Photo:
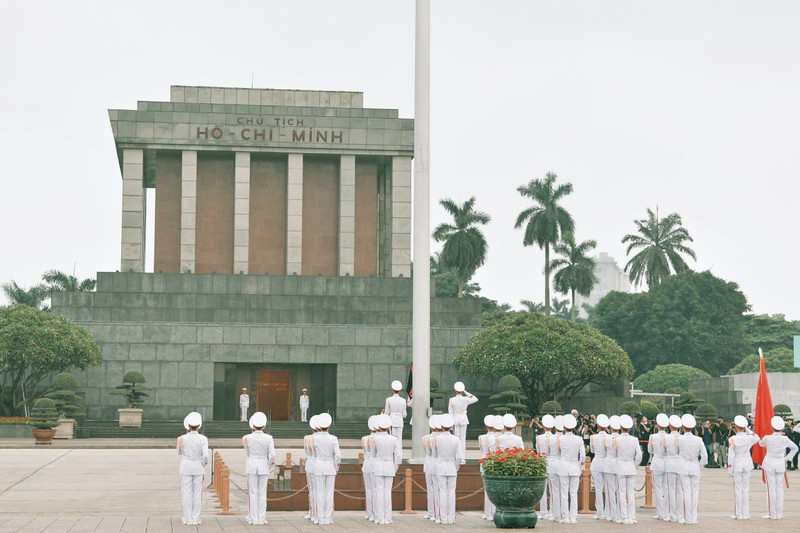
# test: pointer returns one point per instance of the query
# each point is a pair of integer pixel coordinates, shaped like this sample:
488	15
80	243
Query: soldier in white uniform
573	457
694	456
396	409
507	439
368	447
457	408
554	469
449	456
610	471
304	403
308	447
629	456
672	468
542	444
326	465
244	404
193	449
429	468
657	446
597	445
260	451
388	457
740	464
487	443
774	466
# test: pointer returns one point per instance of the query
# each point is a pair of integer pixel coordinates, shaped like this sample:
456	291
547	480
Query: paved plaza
82	487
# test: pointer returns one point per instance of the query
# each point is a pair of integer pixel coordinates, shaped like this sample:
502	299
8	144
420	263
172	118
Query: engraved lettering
322	136
335	135
259	134
203	133
245	134
300	137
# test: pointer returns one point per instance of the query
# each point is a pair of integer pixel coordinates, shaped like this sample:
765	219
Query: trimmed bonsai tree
434	391
552	408
782	410
705	411
628	408
510	398
44	414
62	391
649	409
688	402
133	388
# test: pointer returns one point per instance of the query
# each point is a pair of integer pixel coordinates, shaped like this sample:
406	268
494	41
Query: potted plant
135	391
68	404
510	400
44	419
515	481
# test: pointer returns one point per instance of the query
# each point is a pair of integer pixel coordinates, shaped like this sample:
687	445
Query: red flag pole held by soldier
764	412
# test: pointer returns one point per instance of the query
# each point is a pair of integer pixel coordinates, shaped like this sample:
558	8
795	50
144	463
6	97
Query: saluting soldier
487	443
308	447
368	447
573	457
396	409
740	464
610	471
457	408
597	445
388	457
657	446
542	443
774	466
429	468
629	456
193	449
260	450
449	457
326	465
694	454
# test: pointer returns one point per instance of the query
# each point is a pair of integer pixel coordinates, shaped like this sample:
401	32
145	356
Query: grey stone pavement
119	486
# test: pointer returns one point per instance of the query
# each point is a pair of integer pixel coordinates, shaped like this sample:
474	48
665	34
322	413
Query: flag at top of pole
764	410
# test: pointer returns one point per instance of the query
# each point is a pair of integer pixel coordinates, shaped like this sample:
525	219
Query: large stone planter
130	418
43	436
65	429
515	498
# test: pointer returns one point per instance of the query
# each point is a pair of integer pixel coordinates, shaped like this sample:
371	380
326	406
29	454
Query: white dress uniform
740	464
774	466
507	439
388	457
672	467
327	458
449	455
610	473
396	409
658	451
457	408
554	471
542	444
244	405
694	456
368	447
260	450
429	468
487	443
308	447
573	457
629	456
304	402
597	445
193	449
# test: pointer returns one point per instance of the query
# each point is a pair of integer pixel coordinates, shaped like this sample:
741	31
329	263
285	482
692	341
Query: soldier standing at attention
304	402
629	456
244	404
193	449
774	466
672	467
573	457
457	408
429	468
368	446
487	443
542	442
260	451
740	464
507	440
326	465
694	453
597	445
554	469
449	456
657	446
395	408
388	457
308	446
610	471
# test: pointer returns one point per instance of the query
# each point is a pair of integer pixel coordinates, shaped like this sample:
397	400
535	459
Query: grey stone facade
736	395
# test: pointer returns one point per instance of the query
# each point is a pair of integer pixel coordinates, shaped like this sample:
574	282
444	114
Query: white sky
691	106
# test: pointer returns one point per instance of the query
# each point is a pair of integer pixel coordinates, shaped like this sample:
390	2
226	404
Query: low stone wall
15	431
736	395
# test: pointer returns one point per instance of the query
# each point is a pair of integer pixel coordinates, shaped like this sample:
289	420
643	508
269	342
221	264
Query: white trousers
191	497
690	488
303	414
311	483
627	497
543	503
244	409
437	503
369	495
599	490
430	494
612	496
674	497
397	432
447	498
741	494
324	496
488	506
775	482
555	496
660	493
383	499
460	431
257	498
569	497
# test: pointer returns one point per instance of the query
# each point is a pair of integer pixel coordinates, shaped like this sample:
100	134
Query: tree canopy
769	332
690	318
35	343
777	360
666	378
551	357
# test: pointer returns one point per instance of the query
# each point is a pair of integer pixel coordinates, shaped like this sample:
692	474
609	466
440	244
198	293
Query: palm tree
33	297
61	282
660	242
574	269
561	308
546	220
531	306
465	246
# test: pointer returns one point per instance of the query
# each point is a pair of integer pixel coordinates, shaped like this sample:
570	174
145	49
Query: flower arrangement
8	420
515	462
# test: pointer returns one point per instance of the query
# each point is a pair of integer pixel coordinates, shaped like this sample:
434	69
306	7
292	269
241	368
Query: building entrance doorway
272	393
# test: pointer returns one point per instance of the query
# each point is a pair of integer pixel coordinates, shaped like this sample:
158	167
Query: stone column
241	214
188	209
401	216
134	200
294	215
347	215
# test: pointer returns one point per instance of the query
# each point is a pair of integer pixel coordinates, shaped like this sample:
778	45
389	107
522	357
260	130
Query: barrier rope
292	495
470	495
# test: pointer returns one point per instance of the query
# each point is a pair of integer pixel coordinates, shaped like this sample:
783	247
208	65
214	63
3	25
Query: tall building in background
610	277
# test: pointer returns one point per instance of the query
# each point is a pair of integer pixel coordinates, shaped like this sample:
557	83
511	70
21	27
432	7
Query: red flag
764	411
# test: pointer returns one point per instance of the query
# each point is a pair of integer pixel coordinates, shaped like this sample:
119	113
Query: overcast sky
688	106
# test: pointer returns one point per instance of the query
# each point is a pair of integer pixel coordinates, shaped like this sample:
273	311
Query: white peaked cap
433	422
497	423
662	420
675	421
548	421
446	420
626	422
186	422
777	423
603	421
688	421
396	385
509	420
459	386
487	421
386	421
258	420
371	423
324	421
613	421
312	422
559	423
740	421
194	419
569	421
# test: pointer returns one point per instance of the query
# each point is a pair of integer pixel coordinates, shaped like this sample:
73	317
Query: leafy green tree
574	270
531	306
560	308
492	313
545	221
551	357
59	281
705	411
33	344
629	408
690	318
465	246
649	409
133	388
777	360
688	402
769	332
552	407
660	243
669	377
33	297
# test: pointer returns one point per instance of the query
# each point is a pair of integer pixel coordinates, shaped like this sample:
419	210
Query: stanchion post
586	484
288	462
225	491
409	493
648	489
